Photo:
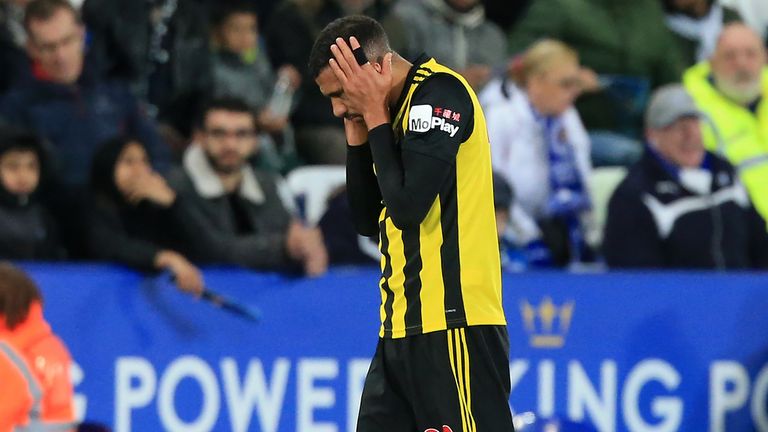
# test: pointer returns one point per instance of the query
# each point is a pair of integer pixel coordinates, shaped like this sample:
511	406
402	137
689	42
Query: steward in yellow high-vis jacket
732	89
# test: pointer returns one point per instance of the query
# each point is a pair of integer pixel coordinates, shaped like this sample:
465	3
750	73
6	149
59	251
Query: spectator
136	218
162	48
456	33
68	105
241	68
27	230
696	25
503	197
290	33
37	389
246	212
732	89
681	206
624	47
540	147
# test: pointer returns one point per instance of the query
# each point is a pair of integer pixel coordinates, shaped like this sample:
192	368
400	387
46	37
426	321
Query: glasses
238	134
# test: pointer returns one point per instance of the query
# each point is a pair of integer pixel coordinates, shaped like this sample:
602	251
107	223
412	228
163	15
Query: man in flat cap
681	206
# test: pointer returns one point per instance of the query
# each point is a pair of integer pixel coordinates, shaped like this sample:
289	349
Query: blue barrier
640	352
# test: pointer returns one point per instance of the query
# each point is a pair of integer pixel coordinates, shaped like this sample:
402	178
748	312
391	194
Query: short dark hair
226	103
42	10
225	9
17	293
367	30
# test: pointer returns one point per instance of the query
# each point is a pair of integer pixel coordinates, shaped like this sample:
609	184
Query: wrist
377	116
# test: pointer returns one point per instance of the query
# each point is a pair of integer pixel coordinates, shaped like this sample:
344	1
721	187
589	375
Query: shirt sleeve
411	174
108	240
363	190
440	119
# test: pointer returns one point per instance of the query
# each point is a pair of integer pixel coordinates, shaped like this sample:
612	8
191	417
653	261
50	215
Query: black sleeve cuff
381	134
364	147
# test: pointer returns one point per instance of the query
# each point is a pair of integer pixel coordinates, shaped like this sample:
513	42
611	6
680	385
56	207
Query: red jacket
34	372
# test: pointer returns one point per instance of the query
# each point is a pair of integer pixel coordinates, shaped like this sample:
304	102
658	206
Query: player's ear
377	67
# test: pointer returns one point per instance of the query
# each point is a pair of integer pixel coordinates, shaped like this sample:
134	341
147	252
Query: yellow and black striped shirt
442	270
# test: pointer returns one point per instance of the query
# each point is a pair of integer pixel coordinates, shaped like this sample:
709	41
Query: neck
230	181
536	104
400	69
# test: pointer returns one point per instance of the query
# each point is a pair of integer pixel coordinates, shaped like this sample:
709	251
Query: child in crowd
27	230
242	69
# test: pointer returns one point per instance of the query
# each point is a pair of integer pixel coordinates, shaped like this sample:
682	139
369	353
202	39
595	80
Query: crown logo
547	324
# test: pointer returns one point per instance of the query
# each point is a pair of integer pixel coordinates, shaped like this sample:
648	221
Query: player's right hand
356	131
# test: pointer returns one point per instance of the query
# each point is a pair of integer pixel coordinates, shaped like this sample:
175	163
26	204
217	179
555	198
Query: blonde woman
540	146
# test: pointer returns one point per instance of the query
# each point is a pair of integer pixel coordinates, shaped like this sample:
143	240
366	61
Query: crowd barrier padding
619	351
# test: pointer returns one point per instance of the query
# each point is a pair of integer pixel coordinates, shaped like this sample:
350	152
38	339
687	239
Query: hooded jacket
132	234
27	229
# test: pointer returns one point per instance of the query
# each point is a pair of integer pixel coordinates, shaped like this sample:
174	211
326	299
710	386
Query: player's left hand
366	87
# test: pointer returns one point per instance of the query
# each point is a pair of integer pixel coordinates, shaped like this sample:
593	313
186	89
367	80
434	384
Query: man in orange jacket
34	363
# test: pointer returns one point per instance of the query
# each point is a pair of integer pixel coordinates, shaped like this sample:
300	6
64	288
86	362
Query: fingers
340	75
190	280
349	56
353	43
357	51
341	60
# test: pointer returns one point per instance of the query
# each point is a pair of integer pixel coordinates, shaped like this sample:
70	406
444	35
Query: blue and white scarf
568	196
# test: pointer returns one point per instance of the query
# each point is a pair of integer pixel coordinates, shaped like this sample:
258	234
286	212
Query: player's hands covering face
366	87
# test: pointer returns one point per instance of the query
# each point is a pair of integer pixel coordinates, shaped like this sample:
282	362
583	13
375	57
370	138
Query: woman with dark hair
137	218
34	363
27	230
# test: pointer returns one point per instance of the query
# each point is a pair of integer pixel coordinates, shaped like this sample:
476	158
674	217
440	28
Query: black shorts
447	381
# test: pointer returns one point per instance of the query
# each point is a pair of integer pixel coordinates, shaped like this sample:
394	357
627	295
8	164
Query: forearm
363	190
135	253
408	193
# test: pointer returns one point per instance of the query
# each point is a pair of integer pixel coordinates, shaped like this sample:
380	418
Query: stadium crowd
168	134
